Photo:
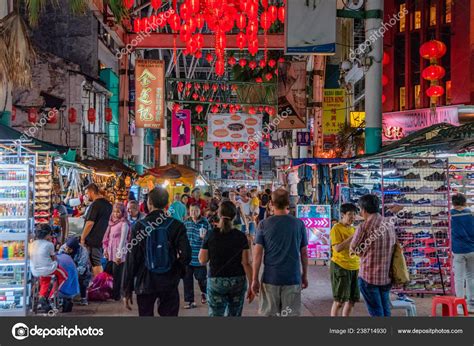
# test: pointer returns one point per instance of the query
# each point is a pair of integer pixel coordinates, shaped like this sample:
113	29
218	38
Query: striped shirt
192	230
374	242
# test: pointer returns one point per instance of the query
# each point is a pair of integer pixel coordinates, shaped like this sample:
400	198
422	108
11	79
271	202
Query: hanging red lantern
259	79
271	63
384	80
215	87
156	4
199	109
271	111
252	29
243	62
195	96
53	116
253	46
201	144
174	22
200	21
184	12
265	4
385	59
193	5
281	60
13	113
435	91
281	14
265	21
268	76
273	12
384	98
433	72
180	86
215	109
252	110
228	145
209	57
216	144
252	65
242	21
136	25
108	114
128	4
241	40
433	49
252	10
262	63
91	115
72	115
232	61
176	107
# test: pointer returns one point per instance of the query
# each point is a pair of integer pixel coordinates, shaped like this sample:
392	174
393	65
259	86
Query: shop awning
172	172
9	134
107	166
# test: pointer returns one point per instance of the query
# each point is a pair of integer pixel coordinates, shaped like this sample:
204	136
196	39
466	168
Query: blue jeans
377	298
226	295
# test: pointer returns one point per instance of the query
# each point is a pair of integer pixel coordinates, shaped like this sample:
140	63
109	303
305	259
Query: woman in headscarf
115	245
80	256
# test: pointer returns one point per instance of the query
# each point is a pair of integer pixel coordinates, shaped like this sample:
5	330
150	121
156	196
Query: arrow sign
315	222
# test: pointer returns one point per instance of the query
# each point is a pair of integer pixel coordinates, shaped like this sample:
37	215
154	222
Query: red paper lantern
271	63
252	65
252	110
241	40
215	87
209	57
128	4
136	25
199	109
435	91
265	3
243	62
273	12
232	61
174	22
265	21
253	46
108	114
385	59
281	59
53	116
384	80
242	21
268	76
216	144
13	113
200	21
433	49
72	115
262	63
91	115
281	14
193	5
201	144
259	79
252	10
195	96
156	4
433	72
384	98
32	115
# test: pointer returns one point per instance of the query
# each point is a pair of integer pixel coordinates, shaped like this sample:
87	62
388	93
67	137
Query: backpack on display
159	256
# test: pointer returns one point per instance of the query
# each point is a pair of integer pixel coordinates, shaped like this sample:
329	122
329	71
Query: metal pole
373	81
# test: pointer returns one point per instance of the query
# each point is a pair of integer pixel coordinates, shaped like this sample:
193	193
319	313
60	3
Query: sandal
190	305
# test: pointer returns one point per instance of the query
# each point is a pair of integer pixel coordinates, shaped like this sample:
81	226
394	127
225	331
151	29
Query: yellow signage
334	111
357	119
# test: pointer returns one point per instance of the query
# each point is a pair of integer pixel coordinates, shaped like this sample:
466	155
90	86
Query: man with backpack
157	258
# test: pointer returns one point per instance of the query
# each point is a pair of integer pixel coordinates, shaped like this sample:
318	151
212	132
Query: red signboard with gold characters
150	94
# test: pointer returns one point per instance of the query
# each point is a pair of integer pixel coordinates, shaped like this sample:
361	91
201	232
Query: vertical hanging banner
292	95
334	116
149	94
317	220
181	132
310	27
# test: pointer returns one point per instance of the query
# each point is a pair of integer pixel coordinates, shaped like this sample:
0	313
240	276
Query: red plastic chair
449	305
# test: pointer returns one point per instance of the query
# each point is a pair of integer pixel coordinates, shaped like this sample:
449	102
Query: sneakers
358	175
442	188
421	164
407	189
422	201
455	185
188	306
393	176
375	175
423	214
439	203
438	164
389	164
412	176
43	305
83	302
425	189
441	224
392	187
404	164
436	176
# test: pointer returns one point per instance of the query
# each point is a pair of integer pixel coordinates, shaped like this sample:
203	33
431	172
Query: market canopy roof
9	134
173	172
107	166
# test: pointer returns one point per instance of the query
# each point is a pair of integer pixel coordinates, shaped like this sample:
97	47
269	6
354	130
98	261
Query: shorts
280	300
252	228
96	254
345	287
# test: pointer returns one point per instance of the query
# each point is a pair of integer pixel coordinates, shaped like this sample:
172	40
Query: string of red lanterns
432	51
385	79
221	17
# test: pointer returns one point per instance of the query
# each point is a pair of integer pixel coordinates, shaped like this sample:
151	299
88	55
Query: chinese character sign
334	111
181	132
149	94
317	220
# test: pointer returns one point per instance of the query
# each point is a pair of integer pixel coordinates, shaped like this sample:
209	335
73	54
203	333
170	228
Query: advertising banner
397	125
334	111
266	166
209	164
317	219
278	144
150	94
181	132
233	127
303	139
310	27
239	154
292	95
239	170
357	118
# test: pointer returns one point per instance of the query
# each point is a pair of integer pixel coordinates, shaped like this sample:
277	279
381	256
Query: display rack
422	186
43	188
16	222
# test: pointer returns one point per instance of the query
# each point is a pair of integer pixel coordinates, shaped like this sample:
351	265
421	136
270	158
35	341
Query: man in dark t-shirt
281	243
97	221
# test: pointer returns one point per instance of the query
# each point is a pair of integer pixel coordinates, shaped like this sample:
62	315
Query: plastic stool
410	308
450	305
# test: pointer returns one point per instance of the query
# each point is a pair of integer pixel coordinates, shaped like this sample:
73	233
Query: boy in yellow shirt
344	266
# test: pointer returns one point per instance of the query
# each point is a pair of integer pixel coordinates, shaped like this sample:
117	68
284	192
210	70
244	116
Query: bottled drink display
16	209
13	175
14	193
12	250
